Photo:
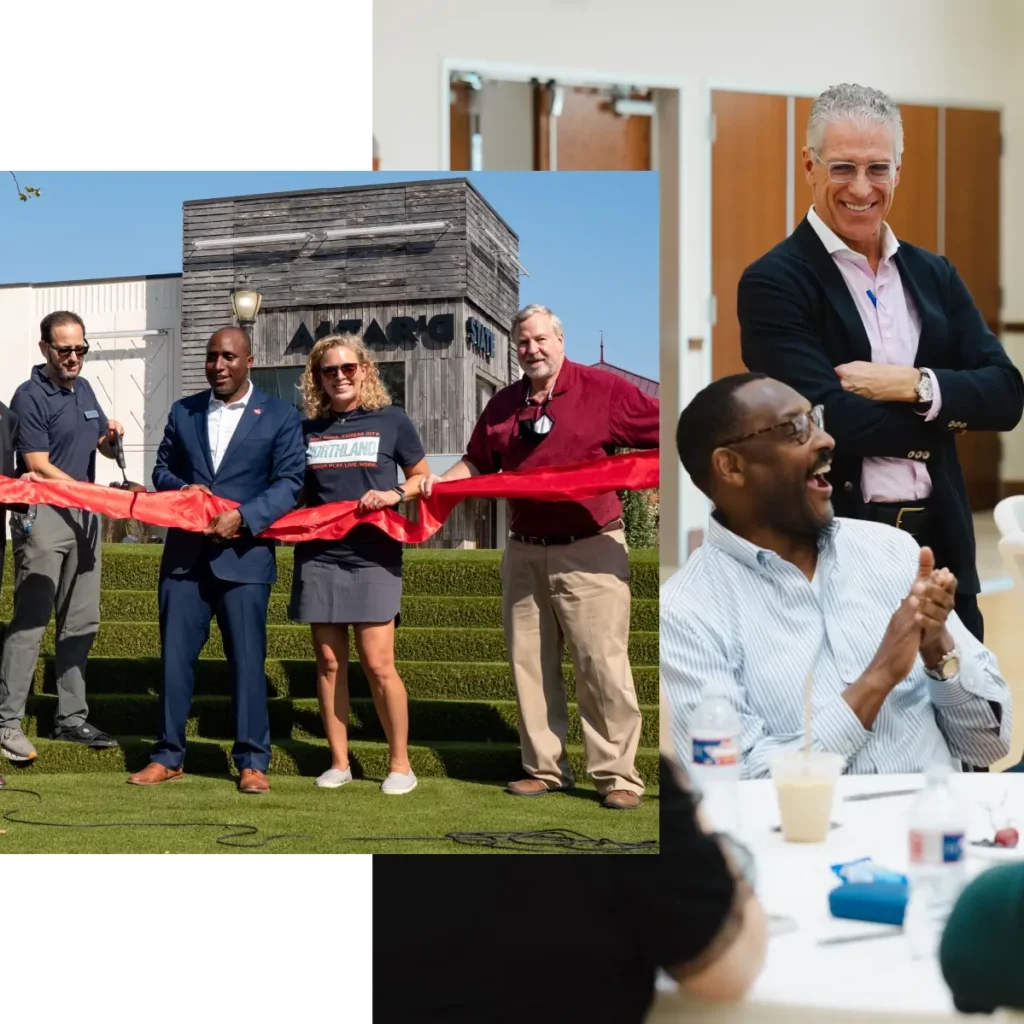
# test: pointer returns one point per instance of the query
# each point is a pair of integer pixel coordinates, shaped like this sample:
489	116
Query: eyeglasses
800	427
349	369
63	351
843	172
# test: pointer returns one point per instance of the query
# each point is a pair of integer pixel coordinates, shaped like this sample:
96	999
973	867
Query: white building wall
134	328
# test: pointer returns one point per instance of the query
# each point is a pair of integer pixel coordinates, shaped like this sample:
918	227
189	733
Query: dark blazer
262	469
6	469
798	322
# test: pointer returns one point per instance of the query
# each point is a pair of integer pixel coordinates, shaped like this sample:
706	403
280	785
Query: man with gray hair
884	335
565	570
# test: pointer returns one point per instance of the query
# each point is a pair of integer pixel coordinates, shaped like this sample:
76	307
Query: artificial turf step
481	762
142	640
427	612
426	680
426	572
429	720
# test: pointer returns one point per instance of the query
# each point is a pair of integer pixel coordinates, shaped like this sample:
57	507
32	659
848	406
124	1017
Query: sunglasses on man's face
800	427
63	351
332	370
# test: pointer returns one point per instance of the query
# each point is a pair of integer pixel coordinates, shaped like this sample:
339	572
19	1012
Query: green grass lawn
333	818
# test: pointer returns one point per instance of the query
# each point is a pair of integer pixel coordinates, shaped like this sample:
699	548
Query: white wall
917	50
136	377
506	121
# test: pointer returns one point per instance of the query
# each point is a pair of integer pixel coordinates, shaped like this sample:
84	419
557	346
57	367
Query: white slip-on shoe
333	778
397	784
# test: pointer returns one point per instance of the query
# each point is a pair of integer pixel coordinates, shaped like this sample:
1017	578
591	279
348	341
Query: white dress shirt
223	420
745	617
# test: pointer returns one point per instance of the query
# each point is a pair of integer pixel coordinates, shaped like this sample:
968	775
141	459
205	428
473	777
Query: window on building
392	376
279	381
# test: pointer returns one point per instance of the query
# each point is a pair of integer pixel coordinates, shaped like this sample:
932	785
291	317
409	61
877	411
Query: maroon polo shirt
594	413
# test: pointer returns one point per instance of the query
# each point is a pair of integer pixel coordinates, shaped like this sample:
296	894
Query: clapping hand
933	595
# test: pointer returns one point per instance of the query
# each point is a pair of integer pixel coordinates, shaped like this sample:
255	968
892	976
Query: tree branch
23	194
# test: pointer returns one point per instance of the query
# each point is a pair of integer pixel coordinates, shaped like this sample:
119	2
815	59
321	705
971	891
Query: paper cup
806	787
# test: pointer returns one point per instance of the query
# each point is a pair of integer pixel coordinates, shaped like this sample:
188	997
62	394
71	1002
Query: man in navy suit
884	335
235	442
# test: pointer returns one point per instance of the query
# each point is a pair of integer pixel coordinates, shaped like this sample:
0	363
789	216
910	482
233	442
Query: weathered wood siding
466	270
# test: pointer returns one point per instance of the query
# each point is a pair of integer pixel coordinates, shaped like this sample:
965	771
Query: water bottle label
718	752
936	847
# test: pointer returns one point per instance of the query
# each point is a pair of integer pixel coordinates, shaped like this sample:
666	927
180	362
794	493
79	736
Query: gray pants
56	570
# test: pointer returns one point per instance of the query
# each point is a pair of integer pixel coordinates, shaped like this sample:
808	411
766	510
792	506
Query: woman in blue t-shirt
356	441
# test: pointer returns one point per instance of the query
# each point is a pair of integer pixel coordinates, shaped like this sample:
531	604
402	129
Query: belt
615	524
913	517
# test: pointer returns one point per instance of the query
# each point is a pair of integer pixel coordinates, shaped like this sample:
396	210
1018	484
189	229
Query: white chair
1011	550
1009	515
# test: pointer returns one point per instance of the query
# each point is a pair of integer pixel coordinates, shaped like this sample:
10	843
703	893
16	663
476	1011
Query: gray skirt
327	592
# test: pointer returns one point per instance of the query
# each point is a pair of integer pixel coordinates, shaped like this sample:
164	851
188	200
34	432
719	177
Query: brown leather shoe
153	774
621	800
533	787
253	781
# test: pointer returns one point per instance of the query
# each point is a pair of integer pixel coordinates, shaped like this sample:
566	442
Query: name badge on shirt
91	414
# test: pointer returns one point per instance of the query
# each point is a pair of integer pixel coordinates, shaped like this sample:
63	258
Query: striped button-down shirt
744	616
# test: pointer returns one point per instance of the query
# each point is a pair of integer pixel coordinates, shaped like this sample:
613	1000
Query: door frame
707	88
673	301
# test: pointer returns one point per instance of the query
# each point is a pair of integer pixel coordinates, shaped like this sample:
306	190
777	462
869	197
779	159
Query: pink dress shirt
893	327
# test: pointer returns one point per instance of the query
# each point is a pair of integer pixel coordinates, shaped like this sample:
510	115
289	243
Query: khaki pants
576	594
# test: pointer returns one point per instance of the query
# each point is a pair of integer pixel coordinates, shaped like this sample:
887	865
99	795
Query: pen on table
838	939
884	792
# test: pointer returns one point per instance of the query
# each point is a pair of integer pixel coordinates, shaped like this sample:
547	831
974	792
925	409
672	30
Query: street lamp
246	304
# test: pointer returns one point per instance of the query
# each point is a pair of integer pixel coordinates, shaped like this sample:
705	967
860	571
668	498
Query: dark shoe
253	781
153	774
621	800
86	734
534	787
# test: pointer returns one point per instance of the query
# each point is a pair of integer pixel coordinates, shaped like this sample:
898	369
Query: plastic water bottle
936	875
716	758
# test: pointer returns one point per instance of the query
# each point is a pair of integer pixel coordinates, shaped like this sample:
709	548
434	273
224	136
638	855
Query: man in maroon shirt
565	570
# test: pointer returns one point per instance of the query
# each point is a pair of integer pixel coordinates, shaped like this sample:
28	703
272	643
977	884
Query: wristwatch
947	667
401	491
923	387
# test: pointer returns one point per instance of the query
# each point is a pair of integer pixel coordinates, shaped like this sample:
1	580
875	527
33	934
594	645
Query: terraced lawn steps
451	654
426	572
142	640
487	721
333	818
480	762
464	680
430	612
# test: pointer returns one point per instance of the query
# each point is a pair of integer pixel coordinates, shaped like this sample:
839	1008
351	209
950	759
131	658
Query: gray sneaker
15	745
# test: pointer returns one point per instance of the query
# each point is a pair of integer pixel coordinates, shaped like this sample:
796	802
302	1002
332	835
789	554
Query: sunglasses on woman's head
349	369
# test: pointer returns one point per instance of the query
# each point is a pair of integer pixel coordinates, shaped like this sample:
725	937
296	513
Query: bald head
228	361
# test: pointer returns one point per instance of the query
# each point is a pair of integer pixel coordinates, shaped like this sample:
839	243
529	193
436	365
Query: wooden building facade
426	272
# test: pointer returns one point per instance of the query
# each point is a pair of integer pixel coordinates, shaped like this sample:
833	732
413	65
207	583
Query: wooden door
460	127
914	216
972	245
588	134
748	205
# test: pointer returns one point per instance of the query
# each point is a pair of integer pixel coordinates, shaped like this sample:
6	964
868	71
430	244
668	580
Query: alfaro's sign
405	331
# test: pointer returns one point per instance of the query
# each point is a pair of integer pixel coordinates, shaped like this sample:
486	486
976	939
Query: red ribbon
193	510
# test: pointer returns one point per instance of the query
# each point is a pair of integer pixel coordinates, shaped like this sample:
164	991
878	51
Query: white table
876	979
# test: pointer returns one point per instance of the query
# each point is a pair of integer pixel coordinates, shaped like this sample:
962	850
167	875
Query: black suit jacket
798	322
6	469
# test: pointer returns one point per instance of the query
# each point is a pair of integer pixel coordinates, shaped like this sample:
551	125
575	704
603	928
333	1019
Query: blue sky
588	239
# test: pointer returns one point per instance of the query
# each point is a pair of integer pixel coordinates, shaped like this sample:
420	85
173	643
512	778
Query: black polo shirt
67	423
